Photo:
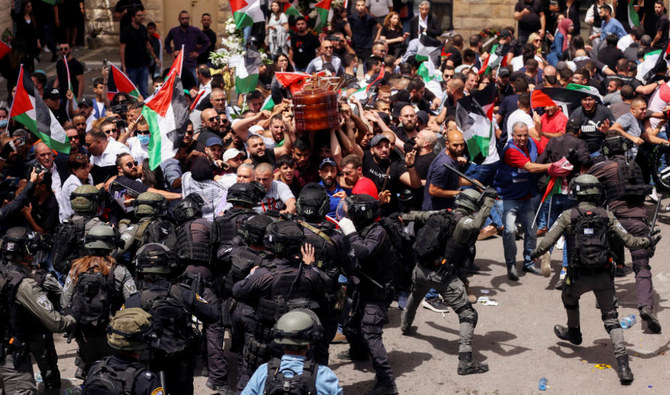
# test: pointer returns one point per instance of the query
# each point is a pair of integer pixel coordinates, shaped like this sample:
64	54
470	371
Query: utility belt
255	352
592	271
441	270
19	350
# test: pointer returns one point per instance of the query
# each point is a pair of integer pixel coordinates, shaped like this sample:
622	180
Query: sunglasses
63	49
212	119
131	164
143	132
110	131
189	132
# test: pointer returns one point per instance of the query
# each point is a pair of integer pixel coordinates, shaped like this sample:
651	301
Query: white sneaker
560	243
653	196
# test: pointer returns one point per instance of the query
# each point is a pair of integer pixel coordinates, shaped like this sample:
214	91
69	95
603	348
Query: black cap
378	138
504	33
328	162
53	94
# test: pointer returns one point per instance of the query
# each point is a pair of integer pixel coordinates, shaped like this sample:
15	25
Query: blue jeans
543	216
560	203
140	77
486	174
524	211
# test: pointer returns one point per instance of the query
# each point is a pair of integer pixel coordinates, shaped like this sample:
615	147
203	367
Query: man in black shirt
211	35
662	25
595	120
610	54
76	73
303	45
424	147
134	50
531	19
363	27
122	11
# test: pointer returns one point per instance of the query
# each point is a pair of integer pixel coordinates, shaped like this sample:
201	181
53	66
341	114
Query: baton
655	217
371	280
474	182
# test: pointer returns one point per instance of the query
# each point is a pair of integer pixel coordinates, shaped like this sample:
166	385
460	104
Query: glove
490	192
653	240
347	226
534	255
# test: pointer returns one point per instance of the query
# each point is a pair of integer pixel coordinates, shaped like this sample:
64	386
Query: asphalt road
515	338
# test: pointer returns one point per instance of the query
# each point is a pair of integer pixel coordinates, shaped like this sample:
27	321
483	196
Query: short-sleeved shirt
662	25
362	29
76	69
590	124
304	49
122	5
555	124
379	8
516	159
136	46
519	116
530	22
276	197
632	126
365	186
443	178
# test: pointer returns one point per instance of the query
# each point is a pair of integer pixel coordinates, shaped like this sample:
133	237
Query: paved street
515	338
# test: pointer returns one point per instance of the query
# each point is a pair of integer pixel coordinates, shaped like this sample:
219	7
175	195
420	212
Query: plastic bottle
38	377
542	384
628	321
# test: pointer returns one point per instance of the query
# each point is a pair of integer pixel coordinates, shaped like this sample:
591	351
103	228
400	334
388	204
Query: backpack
106	380
299	384
433	236
68	243
93	299
631	180
194	241
159	230
171	320
591	238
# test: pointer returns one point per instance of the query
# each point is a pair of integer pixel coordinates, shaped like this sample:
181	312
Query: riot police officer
95	287
282	284
69	236
373	250
243	197
625	192
588	227
441	272
171	305
123	373
294	332
153	225
29	319
333	254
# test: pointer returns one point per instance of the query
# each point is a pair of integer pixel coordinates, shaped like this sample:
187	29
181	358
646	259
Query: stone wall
472	16
5	18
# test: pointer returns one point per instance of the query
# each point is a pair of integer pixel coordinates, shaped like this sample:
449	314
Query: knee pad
610	320
637	267
467	313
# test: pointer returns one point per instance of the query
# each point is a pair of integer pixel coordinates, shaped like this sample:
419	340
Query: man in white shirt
103	151
278	195
522	114
379	8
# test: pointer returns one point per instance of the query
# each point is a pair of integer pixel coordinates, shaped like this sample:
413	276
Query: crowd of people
292	240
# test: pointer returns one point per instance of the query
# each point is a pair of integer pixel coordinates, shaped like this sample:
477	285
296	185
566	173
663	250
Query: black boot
623	370
467	366
647	314
573	335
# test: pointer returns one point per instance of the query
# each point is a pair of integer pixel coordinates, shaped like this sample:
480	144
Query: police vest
589	242
242	260
630	184
226	227
23	325
193	241
170	318
287	292
513	182
325	252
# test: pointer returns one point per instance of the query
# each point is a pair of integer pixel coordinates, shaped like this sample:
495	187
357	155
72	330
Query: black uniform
334	256
365	326
272	290
144	382
172	355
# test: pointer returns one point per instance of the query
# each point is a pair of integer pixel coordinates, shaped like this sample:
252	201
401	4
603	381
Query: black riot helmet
313	202
362	209
617	145
188	208
246	194
155	258
19	242
252	230
284	238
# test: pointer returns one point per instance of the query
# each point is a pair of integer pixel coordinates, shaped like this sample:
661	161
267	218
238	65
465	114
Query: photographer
22	196
41	212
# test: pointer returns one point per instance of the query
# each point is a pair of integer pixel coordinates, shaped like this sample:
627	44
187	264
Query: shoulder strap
142	228
129	376
316	231
310	370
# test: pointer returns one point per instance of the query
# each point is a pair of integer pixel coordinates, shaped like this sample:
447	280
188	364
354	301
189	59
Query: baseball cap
213	141
327	162
422	116
504	33
84	102
503	72
378	139
53	94
231	153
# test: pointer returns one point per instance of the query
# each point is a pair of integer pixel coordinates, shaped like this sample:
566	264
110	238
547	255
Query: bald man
442	184
44	157
210	121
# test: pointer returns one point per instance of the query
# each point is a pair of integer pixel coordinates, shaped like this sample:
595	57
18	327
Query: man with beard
328	174
278	131
128	182
595	120
195	42
104	154
303	45
408	118
79	122
442	184
258	153
214	152
210	122
278	195
306	169
389	176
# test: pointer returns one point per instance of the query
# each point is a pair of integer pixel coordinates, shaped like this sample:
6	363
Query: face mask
355	70
144	138
3	123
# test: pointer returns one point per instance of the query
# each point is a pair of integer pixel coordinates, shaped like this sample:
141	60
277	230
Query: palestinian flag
4	49
29	109
474	116
246	70
178	63
633	16
424	53
431	77
291	9
268	104
294	81
117	82
653	62
246	12
495	59
570	96
167	114
322	10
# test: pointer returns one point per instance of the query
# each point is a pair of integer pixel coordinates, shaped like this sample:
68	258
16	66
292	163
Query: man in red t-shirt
519	193
552	123
352	177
